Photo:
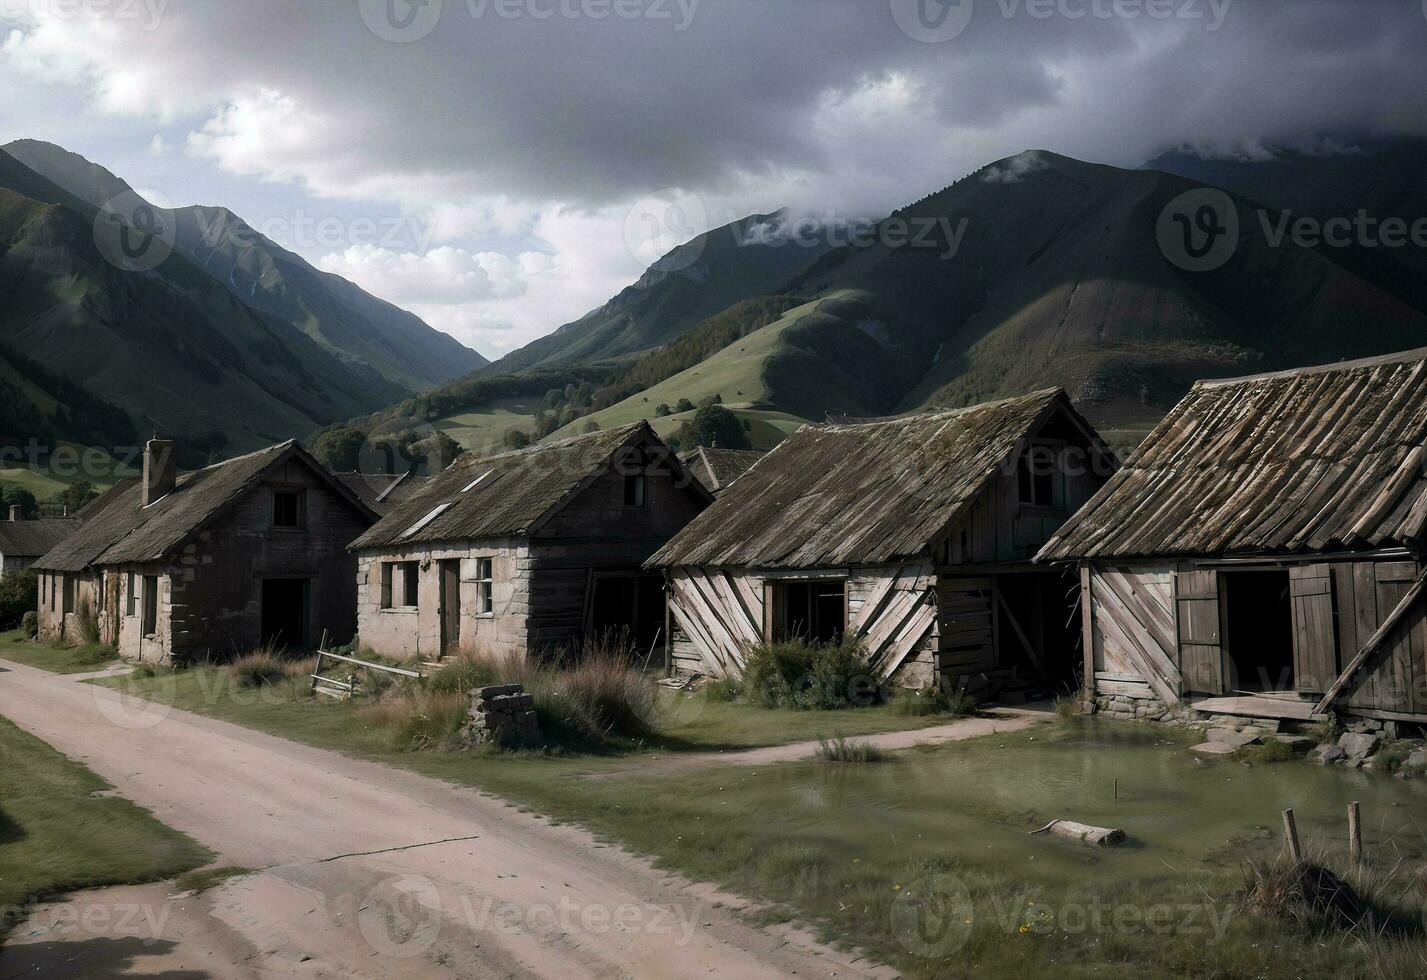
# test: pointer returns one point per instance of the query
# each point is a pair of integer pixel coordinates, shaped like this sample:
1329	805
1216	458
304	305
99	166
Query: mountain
696	280
1040	270
1378	178
173	348
366	333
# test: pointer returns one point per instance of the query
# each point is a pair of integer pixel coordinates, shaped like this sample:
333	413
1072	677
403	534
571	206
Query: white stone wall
412	634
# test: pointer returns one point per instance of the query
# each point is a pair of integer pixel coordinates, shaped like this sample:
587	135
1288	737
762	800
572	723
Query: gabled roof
717	468
1325	458
383	491
123	530
862	493
30	539
507	494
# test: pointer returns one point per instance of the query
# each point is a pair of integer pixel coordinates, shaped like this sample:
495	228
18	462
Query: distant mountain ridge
367	333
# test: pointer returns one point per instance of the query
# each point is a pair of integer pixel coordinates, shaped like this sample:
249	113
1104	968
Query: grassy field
45	483
58	835
925	859
483	430
73	660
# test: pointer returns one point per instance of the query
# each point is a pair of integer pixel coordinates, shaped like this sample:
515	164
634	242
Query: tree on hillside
12	495
76	495
662	409
683	405
338	447
712	426
516	439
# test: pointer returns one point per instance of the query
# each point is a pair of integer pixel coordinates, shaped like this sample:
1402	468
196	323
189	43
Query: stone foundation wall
503	714
1134	708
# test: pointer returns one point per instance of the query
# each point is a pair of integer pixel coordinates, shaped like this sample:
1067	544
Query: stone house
212	563
1261	553
525	551
914	534
22	542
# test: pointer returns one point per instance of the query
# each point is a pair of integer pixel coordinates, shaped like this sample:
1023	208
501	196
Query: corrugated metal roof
30	539
125	531
1325	458
861	493
500	495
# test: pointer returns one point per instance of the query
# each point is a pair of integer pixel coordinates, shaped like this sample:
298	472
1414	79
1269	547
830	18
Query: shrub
1271	751
30	624
266	666
723	689
19	598
839	749
803	675
1393	756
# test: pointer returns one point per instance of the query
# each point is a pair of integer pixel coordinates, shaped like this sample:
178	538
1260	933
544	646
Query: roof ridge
1376	360
938	414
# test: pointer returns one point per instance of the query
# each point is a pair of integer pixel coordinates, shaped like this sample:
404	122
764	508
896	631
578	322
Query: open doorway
285	612
1258	631
813	611
629	609
1039	628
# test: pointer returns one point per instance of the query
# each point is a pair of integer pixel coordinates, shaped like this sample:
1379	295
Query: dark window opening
409	571
628	610
386	583
634	490
150	623
1035	477
812	611
285	612
287	508
132	600
1258	631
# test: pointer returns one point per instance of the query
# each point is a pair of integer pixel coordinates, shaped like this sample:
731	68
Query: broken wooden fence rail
332	687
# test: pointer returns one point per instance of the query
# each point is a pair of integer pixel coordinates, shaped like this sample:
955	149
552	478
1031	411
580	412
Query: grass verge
58	835
59	660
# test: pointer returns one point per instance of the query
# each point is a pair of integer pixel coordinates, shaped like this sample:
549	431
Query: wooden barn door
1197	618
450	605
1397	675
1315	640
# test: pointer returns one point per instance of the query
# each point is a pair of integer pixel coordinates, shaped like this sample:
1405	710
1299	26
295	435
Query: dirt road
364	870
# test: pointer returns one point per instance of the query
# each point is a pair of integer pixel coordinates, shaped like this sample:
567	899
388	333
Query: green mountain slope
374	337
170	346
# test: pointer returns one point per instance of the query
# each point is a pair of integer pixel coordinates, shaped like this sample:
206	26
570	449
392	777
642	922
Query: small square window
634	490
287	508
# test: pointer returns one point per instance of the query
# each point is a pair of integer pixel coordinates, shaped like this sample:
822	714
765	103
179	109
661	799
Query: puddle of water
977	801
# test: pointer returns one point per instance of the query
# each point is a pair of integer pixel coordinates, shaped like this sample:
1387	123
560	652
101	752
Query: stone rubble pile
503	714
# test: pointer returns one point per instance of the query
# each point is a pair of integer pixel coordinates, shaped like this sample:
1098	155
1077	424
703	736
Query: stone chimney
14	513
159	472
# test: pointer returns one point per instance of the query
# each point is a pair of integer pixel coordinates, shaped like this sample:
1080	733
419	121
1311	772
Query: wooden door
1315	640
1198	626
450	605
1396	674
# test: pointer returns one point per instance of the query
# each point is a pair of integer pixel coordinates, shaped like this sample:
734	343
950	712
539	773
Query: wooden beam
1374	641
1087	630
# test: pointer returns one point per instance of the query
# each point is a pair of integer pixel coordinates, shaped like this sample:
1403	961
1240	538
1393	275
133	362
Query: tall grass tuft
268	665
419	718
840	749
86	623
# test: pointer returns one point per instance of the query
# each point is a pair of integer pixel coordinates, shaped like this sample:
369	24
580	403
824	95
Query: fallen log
1101	836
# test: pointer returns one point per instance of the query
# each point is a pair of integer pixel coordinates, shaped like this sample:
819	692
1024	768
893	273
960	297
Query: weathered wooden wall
1156	628
721	613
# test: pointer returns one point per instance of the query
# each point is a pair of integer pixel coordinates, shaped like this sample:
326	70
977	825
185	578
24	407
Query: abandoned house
914	534
717	468
525	551
212	563
22	542
1261	552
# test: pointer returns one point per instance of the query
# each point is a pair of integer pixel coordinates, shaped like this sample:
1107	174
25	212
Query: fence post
1355	834
1290	834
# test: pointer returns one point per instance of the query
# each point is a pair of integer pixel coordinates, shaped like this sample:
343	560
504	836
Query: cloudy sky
501	166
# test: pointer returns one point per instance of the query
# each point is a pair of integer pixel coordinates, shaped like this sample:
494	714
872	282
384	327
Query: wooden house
524	551
717	468
22	542
213	563
1261	553
913	533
